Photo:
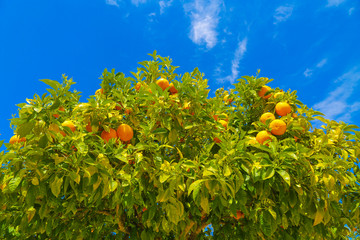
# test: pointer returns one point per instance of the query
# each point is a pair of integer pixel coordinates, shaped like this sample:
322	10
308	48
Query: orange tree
153	157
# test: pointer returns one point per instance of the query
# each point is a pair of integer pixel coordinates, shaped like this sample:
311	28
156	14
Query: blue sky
308	46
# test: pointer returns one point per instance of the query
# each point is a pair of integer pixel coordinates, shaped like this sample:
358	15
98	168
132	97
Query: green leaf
285	175
14	183
56	186
164	177
30	213
35	181
173	136
204	203
160	131
52	83
227	171
25	128
268	173
164	196
318	217
195	185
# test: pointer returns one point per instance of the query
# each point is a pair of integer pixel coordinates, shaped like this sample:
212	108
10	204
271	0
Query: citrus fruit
215	117
267	116
264	89
128	111
16	139
263	136
106	136
163	83
69	124
138	86
278	127
172	89
239	215
252	141
61	109
282	108
125	132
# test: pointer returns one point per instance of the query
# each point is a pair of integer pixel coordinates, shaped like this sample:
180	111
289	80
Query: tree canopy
152	156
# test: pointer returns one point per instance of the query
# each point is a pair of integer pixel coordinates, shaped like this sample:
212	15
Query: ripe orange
163	83
128	111
118	106
215	117
186	105
267	116
263	136
227	100
99	91
294	115
138	86
264	89
125	132
239	215
106	136
61	109
224	123
69	124
55	128
282	108
278	127
172	89
16	139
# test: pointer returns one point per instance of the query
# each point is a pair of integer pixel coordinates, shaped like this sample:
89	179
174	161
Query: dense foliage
191	161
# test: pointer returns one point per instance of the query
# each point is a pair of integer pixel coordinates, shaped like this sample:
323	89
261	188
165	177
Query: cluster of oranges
277	126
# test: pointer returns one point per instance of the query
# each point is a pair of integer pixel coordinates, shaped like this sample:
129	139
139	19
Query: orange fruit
128	111
278	127
264	89
125	132
69	124
118	106
99	91
186	105
227	100
217	140
106	136
55	128
282	108
163	83
224	123
278	94
263	136
138	86
61	109
294	115
16	139
172	89
215	117
267	116
239	215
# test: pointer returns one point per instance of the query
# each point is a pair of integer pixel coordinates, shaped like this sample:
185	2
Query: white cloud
137	2
164	4
351	10
337	106
204	16
235	63
335	3
309	71
282	13
113	2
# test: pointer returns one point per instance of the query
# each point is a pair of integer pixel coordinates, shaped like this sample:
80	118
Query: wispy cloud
309	71
204	16
164	4
351	10
113	2
282	13
235	63
138	2
337	105
334	3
